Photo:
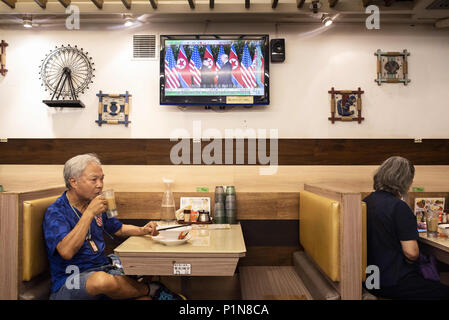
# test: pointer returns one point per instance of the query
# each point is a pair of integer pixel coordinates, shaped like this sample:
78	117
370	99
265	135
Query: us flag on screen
183	69
171	74
258	66
236	73
248	75
195	66
220	53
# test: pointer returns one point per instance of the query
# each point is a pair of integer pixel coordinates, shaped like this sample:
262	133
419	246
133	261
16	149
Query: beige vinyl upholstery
319	232
34	254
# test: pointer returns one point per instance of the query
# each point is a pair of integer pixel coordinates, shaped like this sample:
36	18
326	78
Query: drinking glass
432	218
110	199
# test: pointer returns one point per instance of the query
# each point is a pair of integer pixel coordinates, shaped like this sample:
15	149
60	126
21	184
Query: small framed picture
113	108
346	105
392	67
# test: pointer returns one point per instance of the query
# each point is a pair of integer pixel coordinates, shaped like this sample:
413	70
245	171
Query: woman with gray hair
392	236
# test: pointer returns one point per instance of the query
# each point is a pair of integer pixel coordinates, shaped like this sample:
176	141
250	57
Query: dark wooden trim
10	3
275	233
154	4
260	206
290	151
98	3
65	3
332	3
41	3
127	4
268	256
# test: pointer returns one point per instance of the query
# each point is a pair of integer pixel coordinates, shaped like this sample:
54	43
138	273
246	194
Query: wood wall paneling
8	247
250	206
290	151
143	178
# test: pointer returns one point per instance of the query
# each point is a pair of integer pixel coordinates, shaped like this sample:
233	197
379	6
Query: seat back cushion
319	222
34	253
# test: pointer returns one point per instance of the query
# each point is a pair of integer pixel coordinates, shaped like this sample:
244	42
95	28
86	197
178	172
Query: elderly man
73	229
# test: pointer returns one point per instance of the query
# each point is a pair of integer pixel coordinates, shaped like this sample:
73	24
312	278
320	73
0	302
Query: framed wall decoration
113	108
3	69
346	105
392	67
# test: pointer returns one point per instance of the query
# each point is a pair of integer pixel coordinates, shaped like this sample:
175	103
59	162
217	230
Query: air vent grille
439	5
144	46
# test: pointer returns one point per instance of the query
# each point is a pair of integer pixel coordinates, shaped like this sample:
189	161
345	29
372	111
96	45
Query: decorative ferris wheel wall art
66	72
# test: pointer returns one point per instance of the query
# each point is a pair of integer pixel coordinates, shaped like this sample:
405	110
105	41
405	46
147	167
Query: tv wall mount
66	72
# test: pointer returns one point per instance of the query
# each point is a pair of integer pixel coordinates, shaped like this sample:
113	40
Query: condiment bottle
187	215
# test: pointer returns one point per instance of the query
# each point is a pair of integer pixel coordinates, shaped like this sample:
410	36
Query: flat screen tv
209	70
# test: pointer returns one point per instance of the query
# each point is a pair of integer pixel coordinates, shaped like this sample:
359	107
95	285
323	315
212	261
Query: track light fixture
315	6
129	21
326	20
27	22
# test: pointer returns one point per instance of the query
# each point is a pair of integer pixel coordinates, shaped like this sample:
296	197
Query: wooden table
438	247
210	252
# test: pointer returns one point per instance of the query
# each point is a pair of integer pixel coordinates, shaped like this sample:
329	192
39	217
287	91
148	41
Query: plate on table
171	237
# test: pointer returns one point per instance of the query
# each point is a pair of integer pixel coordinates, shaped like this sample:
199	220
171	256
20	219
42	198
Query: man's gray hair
75	166
395	175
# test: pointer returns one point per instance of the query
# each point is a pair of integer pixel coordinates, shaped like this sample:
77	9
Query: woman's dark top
388	214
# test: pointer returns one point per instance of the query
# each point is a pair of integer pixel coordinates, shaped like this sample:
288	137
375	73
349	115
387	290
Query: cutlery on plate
173	227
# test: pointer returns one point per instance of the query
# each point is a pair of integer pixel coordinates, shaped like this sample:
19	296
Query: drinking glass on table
432	218
110	199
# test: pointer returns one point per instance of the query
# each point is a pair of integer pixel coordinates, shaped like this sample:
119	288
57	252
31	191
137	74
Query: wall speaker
277	47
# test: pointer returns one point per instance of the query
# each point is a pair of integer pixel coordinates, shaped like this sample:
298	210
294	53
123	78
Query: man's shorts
65	293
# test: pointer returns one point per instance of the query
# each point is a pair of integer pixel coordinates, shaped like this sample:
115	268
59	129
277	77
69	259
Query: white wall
340	57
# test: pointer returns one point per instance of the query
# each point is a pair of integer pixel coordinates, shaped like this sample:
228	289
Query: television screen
214	70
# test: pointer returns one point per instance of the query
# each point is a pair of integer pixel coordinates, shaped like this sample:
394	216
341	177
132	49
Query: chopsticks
174	227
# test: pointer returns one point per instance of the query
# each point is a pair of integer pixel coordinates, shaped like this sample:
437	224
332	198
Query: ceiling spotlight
315	6
27	22
326	20
129	21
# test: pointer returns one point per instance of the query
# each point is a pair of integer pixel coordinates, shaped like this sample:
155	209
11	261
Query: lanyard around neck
88	236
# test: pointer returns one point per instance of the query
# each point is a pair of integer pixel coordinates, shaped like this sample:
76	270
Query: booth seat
318	266
319	228
34	267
